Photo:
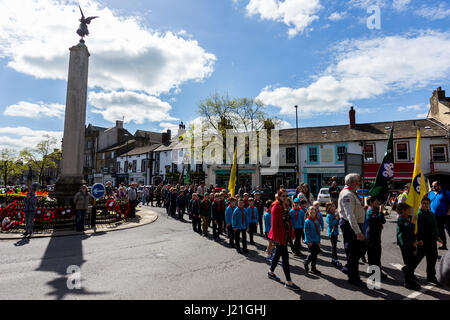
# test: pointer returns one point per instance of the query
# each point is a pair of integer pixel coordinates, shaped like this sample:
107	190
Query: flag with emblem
380	187
417	188
233	175
187	177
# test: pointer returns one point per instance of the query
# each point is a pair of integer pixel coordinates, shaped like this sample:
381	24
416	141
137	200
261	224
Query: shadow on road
62	253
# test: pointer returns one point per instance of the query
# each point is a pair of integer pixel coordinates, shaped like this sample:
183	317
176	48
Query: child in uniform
252	216
312	239
239	223
228	219
298	221
375	220
333	231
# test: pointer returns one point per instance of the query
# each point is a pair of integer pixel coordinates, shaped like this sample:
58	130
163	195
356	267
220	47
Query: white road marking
415	294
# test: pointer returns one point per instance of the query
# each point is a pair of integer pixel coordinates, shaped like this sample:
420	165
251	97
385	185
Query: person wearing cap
375	220
252	215
239	223
205	213
298	221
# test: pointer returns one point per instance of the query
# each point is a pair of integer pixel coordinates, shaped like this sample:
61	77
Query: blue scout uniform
228	220
252	218
333	232
239	221
267	222
312	236
375	220
298	221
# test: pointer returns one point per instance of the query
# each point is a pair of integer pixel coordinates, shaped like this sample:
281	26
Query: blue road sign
98	191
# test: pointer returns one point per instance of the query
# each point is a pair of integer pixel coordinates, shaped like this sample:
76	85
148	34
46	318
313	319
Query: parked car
323	196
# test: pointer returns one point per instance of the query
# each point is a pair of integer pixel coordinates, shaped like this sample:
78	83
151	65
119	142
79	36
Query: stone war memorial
56	210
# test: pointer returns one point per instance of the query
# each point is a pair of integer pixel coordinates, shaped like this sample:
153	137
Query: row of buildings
144	157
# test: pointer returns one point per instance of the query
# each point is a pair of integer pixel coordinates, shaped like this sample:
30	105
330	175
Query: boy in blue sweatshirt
252	216
333	231
298	221
239	222
228	219
312	239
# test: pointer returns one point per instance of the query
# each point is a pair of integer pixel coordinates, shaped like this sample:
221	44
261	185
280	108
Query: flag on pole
380	187
233	175
417	188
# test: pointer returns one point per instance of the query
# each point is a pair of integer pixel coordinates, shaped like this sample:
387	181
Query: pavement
144	215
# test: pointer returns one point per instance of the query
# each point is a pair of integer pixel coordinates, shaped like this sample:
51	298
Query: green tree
10	165
42	157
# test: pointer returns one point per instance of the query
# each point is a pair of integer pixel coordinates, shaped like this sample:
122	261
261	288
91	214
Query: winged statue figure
83	29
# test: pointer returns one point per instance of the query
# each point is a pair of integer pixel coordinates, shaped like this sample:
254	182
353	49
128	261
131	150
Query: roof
141	150
153	136
117	146
363	132
173	145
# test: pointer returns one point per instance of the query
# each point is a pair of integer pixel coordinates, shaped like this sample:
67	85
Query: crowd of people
298	223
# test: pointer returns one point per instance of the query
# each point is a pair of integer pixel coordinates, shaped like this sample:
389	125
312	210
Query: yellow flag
418	188
233	175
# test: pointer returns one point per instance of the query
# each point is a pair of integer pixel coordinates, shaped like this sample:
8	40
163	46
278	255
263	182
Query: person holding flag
380	187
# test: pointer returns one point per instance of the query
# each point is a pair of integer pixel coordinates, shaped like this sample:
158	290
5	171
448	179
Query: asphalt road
167	260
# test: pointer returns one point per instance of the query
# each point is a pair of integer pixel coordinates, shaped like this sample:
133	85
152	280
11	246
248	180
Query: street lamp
126	161
297	171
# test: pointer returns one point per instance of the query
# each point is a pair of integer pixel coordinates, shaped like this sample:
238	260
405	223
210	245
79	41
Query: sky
152	62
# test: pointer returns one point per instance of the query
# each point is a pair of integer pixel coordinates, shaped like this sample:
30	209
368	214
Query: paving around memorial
224	150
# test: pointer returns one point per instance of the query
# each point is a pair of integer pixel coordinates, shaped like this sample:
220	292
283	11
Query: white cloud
35	110
296	14
22	137
415	107
422	116
400	5
35	37
364	4
135	107
336	16
434	13
364	69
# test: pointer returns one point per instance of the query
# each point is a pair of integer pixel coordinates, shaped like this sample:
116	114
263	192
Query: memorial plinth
74	126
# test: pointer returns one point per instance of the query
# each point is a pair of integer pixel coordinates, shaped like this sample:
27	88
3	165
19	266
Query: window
89	144
313	154
112	155
290	155
134	165
402	151
143	165
103	156
126	167
118	168
439	153
369	152
341	150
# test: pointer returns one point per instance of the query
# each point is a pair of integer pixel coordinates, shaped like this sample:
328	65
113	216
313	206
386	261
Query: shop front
403	172
321	177
284	176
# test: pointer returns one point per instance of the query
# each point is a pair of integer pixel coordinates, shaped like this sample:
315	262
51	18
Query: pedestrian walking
334	191
427	236
375	220
81	199
298	221
440	206
228	220
406	240
252	216
352	217
239	223
30	210
332	219
133	199
312	239
281	232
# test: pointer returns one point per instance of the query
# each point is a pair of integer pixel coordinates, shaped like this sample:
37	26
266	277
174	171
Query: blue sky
152	61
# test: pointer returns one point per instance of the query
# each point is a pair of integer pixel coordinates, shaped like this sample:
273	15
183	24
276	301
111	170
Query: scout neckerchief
296	213
253	212
246	202
315	223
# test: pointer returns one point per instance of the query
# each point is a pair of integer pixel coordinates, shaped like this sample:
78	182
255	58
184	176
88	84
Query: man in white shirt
352	216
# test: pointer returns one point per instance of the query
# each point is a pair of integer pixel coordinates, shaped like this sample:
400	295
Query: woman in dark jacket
280	233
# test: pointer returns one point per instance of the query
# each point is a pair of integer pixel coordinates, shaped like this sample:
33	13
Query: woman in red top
281	232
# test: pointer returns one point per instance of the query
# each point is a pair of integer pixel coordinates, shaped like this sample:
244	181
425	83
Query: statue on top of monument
83	30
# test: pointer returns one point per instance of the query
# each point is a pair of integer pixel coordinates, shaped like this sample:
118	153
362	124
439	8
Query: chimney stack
119	124
166	136
351	115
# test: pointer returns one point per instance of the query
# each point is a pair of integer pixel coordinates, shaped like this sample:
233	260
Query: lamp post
297	166
126	161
